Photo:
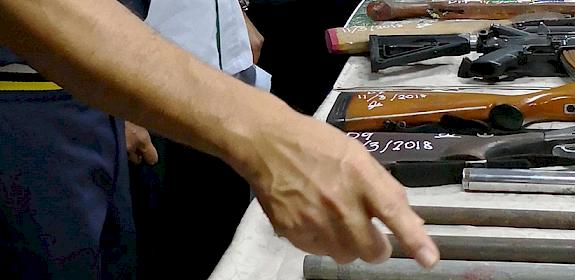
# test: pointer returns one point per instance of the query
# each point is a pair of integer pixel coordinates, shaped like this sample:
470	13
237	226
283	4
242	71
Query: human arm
256	38
318	187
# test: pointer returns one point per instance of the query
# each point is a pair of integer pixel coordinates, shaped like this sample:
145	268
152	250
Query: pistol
376	110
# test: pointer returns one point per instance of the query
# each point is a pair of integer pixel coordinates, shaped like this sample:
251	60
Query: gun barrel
518	180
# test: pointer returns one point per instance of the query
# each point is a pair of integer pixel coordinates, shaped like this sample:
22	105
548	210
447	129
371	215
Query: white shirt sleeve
235	43
192	25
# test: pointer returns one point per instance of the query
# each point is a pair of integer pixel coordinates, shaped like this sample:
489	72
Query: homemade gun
378	110
428	159
390	10
539	49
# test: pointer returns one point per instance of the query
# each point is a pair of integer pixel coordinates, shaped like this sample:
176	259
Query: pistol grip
497	64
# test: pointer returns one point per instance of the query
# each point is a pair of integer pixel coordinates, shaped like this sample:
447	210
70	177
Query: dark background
295	51
188	206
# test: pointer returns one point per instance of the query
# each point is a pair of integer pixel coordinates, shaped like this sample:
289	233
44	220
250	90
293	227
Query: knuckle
367	240
355	224
334	203
391	195
378	258
303	224
376	253
390	211
358	166
130	147
353	167
145	148
143	136
400	196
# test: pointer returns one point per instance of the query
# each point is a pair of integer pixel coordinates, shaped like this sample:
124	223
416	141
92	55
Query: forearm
109	59
319	187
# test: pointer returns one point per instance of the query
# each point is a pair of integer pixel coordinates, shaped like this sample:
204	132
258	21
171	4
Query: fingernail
426	257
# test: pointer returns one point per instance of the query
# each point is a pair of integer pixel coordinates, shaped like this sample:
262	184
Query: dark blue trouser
65	209
189	205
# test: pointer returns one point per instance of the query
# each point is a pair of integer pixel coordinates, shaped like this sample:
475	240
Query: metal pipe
484	216
324	268
518	180
513	249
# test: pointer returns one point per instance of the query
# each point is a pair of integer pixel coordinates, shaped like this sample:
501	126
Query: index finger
388	202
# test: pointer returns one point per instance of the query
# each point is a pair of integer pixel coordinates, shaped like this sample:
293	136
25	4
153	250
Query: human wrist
265	124
262	120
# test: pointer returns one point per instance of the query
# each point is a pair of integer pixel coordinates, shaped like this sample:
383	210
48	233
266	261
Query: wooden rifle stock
372	111
388	10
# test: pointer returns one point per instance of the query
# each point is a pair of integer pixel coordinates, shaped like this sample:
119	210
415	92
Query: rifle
537	49
377	110
390	10
355	39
